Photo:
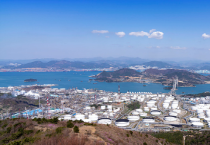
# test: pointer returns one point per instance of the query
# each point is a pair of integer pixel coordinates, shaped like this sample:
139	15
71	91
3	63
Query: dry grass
117	136
88	134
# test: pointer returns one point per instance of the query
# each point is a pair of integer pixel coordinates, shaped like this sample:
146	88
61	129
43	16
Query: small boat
81	81
144	85
69	80
94	83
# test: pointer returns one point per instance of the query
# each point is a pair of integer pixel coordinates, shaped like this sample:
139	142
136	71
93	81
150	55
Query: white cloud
205	36
120	34
142	33
153	47
100	31
152	30
153	34
177	47
156	35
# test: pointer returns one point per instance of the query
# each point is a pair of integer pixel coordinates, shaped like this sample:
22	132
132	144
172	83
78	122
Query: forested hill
119	73
181	74
185	77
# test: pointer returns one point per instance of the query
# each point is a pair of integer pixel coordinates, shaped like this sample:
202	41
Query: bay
81	80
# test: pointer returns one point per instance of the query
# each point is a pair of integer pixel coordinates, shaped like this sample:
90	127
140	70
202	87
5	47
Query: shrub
76	129
48	135
131	132
28	131
146	135
5	140
38	131
127	135
17	124
44	120
144	143
16	135
70	124
78	121
90	124
21	130
16	143
59	130
29	139
134	105
173	137
8	129
5	125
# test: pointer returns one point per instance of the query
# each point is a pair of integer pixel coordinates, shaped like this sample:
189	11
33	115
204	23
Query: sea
80	80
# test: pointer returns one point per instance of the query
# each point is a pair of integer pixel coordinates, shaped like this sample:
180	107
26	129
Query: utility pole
39	102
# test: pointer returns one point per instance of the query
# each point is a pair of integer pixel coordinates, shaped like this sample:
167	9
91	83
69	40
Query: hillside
117	76
165	77
55	132
158	64
15	104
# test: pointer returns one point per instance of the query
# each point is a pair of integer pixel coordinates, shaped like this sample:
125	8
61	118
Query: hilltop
55	132
118	75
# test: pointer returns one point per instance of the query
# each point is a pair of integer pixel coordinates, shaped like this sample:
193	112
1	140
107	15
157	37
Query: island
162	76
121	75
30	80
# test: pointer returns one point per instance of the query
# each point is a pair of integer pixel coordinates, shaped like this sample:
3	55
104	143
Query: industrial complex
153	112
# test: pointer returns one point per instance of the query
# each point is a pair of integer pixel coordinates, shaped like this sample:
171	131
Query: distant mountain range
63	65
120	62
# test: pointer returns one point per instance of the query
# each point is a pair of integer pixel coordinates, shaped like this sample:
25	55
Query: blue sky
180	29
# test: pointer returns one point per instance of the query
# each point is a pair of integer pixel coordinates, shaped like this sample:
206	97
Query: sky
148	29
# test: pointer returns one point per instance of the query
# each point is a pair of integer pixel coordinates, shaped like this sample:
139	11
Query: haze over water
81	81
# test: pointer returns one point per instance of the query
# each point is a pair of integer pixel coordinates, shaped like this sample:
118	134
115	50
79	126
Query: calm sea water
80	80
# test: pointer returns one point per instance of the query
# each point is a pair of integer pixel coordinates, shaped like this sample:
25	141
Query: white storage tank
139	110
173	114
104	121
153	108
79	116
170	118
155	112
133	118
146	109
194	120
93	117
109	107
103	107
143	114
135	113
122	122
197	124
148	120
177	110
67	117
